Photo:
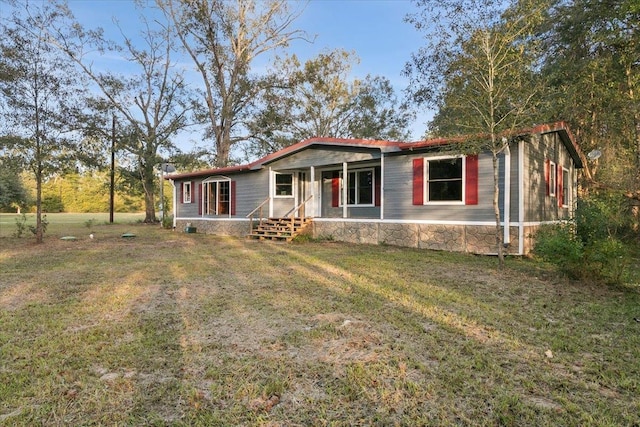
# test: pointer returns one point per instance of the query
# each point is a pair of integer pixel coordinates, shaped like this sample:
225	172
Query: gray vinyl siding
398	193
515	186
251	189
534	183
369	212
538	205
187	210
319	157
282	205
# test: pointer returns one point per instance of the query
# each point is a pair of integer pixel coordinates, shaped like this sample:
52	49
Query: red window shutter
193	185
233	197
559	181
182	192
471	178
547	168
335	191
199	198
378	184
418	181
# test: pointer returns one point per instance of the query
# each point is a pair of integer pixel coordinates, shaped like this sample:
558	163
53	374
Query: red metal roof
343	142
386	146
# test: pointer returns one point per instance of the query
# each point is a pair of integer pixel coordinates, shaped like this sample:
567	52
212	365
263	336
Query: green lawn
65	223
169	328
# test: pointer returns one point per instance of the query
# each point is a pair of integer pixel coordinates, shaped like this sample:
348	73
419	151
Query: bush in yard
559	245
167	222
600	216
21	226
596	246
607	259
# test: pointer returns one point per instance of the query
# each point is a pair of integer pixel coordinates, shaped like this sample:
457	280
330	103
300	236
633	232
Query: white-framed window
283	185
216	196
444	180
566	187
553	176
360	187
186	192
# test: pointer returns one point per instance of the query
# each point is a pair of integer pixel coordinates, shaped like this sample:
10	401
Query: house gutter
507	195
271	191
521	197
381	185
312	188
345	212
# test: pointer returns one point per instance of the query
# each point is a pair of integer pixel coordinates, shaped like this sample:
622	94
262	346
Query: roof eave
567	138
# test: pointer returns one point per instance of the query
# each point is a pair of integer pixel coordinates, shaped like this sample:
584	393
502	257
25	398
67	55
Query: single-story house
425	194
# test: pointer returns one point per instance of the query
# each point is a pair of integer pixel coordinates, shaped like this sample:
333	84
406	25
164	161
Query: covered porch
346	190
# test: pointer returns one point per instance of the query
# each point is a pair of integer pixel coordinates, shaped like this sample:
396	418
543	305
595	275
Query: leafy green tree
13	193
89	192
42	97
592	71
378	113
478	69
223	39
317	99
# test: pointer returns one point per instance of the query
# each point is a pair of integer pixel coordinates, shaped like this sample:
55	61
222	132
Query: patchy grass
63	224
185	329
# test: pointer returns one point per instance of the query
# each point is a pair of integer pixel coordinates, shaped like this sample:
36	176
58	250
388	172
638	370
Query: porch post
381	185
271	184
175	201
345	212
506	239
312	189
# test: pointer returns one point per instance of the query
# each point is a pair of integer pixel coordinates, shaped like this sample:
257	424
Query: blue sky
374	29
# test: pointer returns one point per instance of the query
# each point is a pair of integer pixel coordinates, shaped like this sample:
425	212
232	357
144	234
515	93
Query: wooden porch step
270	237
282	229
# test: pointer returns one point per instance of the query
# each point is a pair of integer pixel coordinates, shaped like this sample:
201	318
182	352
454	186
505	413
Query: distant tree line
498	65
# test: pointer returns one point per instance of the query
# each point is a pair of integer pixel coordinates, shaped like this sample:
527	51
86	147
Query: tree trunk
38	158
222	155
223	146
148	183
636	131
150	209
39	232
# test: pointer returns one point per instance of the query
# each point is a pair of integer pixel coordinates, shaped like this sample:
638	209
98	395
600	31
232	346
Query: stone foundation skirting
220	227
478	239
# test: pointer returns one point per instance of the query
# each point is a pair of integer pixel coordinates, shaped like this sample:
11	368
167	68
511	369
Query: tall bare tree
477	68
152	101
224	38
42	96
